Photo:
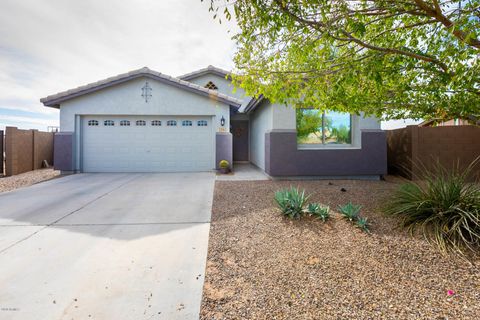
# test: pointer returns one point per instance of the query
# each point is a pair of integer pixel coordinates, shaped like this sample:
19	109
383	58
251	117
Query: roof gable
56	99
208	70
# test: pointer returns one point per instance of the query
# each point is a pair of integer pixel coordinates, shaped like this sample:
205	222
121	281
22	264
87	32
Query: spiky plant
443	206
318	211
350	211
291	201
363	224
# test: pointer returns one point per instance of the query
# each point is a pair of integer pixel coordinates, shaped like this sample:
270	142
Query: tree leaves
393	59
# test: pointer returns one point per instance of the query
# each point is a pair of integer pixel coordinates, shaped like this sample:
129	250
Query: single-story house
145	121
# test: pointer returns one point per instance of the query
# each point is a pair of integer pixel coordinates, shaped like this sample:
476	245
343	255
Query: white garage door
147	144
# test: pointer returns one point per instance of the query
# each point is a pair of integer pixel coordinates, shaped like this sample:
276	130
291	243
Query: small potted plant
224	166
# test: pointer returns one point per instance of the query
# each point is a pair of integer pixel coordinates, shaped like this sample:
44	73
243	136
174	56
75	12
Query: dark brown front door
240	140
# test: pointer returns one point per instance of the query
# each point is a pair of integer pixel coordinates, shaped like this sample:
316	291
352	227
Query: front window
325	128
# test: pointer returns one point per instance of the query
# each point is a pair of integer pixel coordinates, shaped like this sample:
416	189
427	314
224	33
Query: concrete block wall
450	145
25	150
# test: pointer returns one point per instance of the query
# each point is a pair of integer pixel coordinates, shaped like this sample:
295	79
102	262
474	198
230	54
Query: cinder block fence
25	150
412	148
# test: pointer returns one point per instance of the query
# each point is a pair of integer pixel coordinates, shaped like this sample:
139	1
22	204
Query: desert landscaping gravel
263	266
26	179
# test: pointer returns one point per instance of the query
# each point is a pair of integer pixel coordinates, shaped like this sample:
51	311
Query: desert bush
291	201
443	206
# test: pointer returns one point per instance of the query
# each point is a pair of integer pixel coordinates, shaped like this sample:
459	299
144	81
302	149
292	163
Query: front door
240	140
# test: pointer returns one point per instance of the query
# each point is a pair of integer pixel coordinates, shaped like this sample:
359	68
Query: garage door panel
147	148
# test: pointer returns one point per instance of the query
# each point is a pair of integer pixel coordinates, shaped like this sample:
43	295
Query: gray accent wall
223	148
283	158
63	151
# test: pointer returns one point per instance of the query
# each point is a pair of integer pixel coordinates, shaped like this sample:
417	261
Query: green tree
396	59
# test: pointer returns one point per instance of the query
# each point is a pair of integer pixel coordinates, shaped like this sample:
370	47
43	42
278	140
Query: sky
50	46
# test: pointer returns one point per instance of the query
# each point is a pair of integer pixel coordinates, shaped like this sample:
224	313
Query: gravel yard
263	266
26	179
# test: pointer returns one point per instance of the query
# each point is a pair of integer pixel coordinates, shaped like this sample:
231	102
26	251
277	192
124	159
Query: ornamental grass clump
291	202
444	207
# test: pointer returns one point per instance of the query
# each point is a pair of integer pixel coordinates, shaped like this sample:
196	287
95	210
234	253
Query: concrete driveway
105	246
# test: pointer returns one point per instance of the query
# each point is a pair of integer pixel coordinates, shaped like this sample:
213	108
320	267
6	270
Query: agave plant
291	202
444	207
363	224
350	211
318	211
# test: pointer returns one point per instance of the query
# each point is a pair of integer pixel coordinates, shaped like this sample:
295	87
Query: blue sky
55	45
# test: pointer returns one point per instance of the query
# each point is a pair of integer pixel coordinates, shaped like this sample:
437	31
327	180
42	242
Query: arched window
124	123
156	123
109	123
171	123
140	123
93	122
186	123
202	123
210	85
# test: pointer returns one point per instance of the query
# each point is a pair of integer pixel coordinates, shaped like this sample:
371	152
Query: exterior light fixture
222	121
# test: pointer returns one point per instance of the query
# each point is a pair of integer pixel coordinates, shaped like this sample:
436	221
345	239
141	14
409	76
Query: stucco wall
126	99
63	151
283	158
224	148
261	121
224	86
284	118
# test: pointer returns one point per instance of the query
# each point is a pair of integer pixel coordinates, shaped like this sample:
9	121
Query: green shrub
351	212
291	201
318	211
444	207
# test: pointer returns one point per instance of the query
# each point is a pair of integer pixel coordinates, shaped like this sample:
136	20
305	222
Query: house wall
261	121
283	158
413	149
224	86
126	99
273	141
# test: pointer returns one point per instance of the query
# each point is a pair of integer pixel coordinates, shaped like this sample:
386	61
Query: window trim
124	123
111	123
93	123
140	123
171	123
187	123
329	146
202	121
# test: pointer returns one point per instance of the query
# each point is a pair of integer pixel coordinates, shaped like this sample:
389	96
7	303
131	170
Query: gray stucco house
145	121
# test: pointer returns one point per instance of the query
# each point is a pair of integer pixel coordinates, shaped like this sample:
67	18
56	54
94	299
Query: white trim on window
171	123
187	123
140	123
156	123
109	123
124	123
202	123
92	123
